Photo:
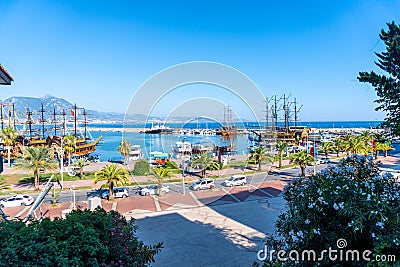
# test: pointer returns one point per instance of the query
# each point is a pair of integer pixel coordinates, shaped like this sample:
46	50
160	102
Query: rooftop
5	76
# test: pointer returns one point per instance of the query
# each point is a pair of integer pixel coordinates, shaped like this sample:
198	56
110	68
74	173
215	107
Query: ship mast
85	121
42	119
64	121
75	118
29	121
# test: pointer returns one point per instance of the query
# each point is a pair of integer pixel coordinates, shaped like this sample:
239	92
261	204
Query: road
255	179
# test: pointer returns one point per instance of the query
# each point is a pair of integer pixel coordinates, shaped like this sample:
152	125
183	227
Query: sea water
165	142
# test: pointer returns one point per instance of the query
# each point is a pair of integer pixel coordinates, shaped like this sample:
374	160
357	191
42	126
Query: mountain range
51	104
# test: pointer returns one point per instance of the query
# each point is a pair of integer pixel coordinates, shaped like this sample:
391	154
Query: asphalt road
255	179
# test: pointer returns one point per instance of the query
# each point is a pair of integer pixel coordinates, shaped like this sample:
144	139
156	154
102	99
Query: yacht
136	153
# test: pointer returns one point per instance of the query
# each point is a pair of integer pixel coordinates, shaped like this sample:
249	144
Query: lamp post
183	175
62	163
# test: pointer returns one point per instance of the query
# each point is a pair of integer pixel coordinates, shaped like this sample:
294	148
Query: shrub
351	203
142	167
84	238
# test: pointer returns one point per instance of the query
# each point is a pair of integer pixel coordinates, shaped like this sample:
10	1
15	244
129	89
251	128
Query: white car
16	201
324	160
119	192
153	190
205	183
235	180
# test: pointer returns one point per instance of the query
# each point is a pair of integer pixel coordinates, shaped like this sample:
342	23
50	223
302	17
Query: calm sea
164	142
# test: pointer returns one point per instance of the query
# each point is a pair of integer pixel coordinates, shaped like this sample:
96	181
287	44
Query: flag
72	112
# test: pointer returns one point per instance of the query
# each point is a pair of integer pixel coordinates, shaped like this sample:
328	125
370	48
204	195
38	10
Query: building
5	77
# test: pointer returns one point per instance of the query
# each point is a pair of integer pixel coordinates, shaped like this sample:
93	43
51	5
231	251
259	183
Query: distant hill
51	103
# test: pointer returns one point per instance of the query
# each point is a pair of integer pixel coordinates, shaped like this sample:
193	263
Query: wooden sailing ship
38	131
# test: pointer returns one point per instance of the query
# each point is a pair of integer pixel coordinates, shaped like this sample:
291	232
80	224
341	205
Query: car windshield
231	179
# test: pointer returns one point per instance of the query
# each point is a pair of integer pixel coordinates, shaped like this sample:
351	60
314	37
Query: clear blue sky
97	53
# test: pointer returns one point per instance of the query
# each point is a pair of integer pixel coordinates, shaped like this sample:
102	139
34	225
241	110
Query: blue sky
98	53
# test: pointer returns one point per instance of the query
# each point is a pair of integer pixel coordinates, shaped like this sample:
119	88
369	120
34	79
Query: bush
84	238
351	203
142	167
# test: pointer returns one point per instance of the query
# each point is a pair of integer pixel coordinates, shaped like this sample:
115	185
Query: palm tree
69	145
385	147
338	145
81	163
302	158
113	175
203	162
3	185
326	147
159	174
281	146
124	148
9	135
260	154
356	144
36	159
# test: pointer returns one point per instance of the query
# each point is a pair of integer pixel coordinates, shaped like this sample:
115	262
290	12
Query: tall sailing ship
43	129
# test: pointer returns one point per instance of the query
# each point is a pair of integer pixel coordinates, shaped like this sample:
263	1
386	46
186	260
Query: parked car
324	160
204	183
153	190
17	200
119	192
235	180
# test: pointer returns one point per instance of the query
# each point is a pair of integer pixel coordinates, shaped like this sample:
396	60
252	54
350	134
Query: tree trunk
326	153
69	159
386	153
376	154
160	193
9	155
303	170
111	191
337	152
81	172
259	165
36	180
280	159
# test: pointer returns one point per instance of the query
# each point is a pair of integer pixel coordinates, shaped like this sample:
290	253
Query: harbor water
164	142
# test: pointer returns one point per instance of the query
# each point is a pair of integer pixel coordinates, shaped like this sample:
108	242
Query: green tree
159	174
81	163
387	86
203	162
302	158
9	136
358	204
338	145
357	145
142	167
260	154
281	147
83	238
3	185
385	147
36	159
113	175
125	148
326	147
69	146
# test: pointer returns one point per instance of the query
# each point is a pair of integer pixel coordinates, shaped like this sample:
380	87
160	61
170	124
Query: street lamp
62	163
183	174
